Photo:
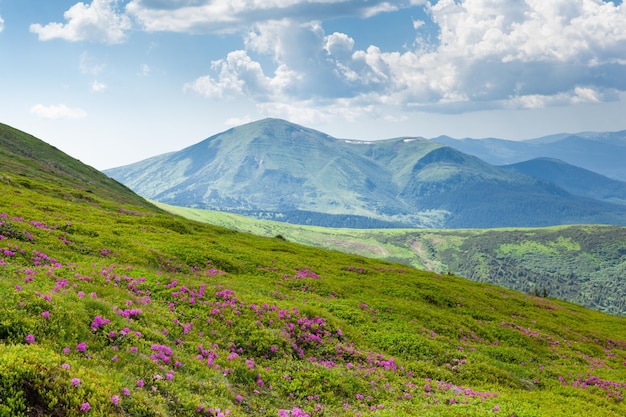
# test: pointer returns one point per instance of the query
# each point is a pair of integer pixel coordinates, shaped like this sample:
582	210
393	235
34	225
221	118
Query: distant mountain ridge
575	180
277	170
600	152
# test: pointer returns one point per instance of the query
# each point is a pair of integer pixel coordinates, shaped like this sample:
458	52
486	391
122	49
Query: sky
112	82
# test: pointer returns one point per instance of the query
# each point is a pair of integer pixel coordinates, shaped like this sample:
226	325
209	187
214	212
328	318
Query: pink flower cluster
98	322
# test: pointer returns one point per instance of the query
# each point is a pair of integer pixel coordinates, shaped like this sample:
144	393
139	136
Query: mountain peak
279	170
270	130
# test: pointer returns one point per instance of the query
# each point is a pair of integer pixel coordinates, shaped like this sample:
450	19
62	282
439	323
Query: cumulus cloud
1	24
309	65
237	75
100	21
488	54
493	51
58	111
467	55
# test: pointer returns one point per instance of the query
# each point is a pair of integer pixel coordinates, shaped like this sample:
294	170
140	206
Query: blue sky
112	82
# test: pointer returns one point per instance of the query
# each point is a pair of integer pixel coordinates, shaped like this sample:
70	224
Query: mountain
601	152
575	180
268	168
26	156
277	170
120	309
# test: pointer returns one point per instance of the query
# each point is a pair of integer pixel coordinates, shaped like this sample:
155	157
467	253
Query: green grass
584	264
27	158
190	317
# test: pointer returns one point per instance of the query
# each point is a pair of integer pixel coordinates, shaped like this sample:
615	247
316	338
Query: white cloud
495	50
237	75
383	7
1	24
489	54
58	111
231	16
339	44
98	87
98	22
418	24
531	30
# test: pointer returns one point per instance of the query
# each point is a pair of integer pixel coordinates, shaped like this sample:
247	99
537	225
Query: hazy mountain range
278	170
601	152
575	180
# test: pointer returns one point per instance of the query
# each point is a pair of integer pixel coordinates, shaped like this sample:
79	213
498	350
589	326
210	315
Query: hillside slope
28	157
583	264
277	170
132	311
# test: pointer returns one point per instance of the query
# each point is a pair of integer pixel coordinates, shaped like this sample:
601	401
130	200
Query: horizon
356	140
112	82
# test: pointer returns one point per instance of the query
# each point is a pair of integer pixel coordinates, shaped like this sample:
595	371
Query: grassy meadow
115	308
583	264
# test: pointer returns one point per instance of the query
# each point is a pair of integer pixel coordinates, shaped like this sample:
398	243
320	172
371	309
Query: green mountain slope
122	310
276	170
267	167
27	157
